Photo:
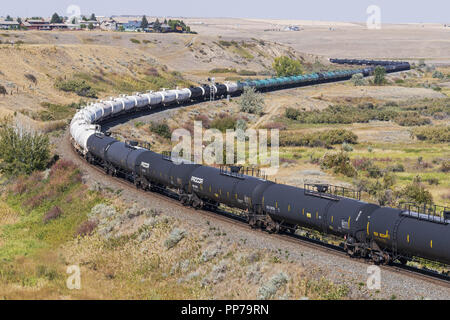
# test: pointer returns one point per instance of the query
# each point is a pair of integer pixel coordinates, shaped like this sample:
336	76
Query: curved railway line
368	231
242	223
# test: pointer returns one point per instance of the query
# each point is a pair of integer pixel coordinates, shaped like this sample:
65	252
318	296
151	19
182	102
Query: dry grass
7	215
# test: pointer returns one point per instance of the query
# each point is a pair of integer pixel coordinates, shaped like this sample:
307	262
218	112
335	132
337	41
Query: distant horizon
392	12
218	17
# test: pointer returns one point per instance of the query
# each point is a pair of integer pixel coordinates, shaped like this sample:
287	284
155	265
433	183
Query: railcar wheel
196	204
184	199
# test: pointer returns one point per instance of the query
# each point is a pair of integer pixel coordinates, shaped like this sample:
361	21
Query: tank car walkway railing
331	192
241	172
432	213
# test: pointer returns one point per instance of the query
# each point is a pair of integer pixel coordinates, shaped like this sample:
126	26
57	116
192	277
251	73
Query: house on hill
9	25
131	25
37	24
108	25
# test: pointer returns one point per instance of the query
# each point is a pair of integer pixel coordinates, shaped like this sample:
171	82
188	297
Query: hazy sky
331	10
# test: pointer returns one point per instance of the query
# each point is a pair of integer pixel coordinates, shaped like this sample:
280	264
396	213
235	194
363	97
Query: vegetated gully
240	221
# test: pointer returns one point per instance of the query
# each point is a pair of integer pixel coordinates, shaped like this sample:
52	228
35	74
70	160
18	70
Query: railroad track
240	222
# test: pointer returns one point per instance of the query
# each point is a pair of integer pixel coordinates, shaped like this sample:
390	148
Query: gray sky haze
392	11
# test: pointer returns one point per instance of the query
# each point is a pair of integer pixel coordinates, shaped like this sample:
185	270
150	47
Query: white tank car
232	87
107	108
83	124
153	98
118	106
183	95
168	96
94	112
128	103
141	101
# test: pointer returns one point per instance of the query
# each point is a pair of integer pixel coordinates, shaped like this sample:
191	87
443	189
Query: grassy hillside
51	220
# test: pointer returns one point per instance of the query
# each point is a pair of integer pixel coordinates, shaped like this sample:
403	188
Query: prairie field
390	141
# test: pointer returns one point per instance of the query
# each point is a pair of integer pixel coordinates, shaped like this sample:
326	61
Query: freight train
382	234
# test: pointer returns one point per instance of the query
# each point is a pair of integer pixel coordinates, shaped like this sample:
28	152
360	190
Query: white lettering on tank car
359	215
197	180
344	224
145	165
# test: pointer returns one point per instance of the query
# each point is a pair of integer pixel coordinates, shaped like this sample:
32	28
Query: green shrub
225	43
339	162
411	119
22	151
358	79
161	129
416	192
54	112
433	134
374	171
338	136
396	168
380	73
292	113
224	124
136	41
80	87
222	70
285	66
247	73
445	166
344	114
347	147
362	163
319	139
438	75
251	101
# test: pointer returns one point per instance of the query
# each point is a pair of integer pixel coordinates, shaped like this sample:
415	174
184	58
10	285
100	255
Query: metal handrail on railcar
331	192
241	172
432	213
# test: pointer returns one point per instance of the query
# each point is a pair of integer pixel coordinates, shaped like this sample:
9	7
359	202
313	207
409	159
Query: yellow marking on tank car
385	236
348	222
382	236
368	223
407	238
308	215
289	208
332	219
431	244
